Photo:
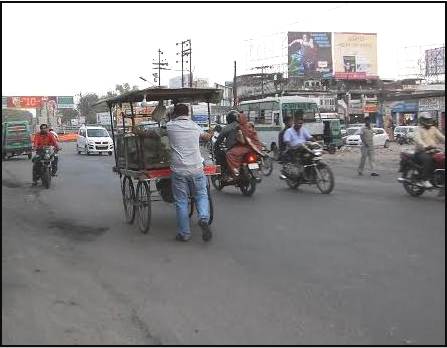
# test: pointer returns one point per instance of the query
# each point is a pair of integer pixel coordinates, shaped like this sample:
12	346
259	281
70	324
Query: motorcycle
304	166
44	159
411	171
404	139
265	162
248	173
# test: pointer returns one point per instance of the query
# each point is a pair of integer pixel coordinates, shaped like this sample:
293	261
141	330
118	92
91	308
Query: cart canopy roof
177	95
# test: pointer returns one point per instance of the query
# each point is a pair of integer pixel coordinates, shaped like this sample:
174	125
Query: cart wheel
128	199
143	199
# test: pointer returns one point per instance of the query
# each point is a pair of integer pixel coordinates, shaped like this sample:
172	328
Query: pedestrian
367	147
188	178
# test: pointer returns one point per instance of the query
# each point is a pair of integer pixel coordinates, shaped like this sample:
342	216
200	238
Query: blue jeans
184	187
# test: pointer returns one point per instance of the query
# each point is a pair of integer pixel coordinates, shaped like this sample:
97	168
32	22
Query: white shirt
184	135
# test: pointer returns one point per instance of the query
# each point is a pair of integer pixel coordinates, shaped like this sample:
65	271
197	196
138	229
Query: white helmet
425	118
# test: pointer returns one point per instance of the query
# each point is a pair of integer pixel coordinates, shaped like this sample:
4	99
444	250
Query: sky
67	49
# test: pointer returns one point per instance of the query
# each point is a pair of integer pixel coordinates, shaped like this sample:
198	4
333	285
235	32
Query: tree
86	108
68	114
125	88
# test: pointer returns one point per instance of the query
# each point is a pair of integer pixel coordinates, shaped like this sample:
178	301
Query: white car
94	139
380	138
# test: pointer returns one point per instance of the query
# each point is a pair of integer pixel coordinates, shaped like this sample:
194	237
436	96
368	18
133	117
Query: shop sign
429	104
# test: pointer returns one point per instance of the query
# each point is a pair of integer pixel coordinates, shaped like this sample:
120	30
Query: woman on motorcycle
247	140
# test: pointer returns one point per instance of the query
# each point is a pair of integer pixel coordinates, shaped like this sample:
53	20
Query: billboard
435	61
38	102
310	54
355	56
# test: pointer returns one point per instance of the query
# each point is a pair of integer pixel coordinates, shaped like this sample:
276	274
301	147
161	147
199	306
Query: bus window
244	108
253	113
266	113
310	110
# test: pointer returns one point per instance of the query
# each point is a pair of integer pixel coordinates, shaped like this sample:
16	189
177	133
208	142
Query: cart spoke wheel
128	199
143	200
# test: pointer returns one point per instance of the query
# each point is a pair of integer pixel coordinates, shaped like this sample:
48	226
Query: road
363	265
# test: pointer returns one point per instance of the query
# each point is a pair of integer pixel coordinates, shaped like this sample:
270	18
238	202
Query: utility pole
184	53
234	86
161	65
262	67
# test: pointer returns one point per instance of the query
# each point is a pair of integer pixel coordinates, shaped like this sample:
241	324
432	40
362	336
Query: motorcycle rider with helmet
42	139
228	135
427	137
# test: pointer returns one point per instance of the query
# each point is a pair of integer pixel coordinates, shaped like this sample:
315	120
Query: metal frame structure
140	198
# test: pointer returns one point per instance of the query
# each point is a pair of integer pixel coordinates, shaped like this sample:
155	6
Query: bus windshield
310	110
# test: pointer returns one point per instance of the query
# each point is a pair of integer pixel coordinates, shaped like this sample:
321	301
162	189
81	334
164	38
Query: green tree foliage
68	114
86	108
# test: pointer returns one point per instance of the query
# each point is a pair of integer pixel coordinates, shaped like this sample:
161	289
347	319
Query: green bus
268	116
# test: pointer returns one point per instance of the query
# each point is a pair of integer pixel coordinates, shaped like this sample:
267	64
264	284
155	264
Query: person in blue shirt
295	138
297	135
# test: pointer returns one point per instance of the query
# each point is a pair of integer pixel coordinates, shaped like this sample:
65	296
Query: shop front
404	113
436	106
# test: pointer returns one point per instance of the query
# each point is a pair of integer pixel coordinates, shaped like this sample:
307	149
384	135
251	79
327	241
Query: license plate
253	166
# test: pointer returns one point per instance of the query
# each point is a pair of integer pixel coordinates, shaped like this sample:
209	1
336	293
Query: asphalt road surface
363	265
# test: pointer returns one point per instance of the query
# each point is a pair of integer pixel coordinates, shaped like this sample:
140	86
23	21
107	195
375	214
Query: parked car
343	130
349	131
94	139
380	138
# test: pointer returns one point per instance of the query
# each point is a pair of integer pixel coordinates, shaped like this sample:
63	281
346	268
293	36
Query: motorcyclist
295	137
427	137
56	157
227	135
42	139
288	122
54	134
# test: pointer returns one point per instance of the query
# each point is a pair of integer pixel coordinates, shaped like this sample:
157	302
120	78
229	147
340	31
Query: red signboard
370	108
24	102
350	75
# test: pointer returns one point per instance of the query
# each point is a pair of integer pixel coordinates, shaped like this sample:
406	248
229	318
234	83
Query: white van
94	139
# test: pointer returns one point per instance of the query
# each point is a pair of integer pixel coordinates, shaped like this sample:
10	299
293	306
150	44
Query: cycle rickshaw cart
142	160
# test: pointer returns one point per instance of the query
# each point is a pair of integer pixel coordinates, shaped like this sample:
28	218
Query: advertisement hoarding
54	102
310	54
24	102
355	56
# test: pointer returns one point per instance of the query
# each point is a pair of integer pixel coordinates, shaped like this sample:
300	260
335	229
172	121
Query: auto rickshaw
332	135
